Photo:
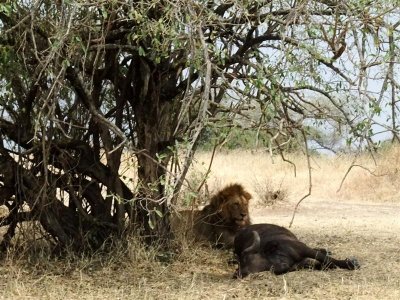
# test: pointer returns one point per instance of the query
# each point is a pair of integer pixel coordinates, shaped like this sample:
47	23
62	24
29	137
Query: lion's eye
237	204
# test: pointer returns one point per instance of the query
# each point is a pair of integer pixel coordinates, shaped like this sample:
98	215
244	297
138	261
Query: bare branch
309	179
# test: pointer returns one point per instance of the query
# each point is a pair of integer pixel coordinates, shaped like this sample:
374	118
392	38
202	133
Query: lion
227	212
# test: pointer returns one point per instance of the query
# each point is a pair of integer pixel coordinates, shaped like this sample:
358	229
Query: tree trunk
154	120
153	211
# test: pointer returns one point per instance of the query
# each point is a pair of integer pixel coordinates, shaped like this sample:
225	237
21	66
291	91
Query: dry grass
373	181
361	220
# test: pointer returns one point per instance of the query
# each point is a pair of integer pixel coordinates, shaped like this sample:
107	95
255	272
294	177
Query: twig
360	166
309	179
210	164
87	100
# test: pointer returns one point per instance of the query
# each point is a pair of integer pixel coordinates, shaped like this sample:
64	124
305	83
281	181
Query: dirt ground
359	219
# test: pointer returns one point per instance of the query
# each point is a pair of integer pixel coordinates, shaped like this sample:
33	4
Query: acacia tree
83	82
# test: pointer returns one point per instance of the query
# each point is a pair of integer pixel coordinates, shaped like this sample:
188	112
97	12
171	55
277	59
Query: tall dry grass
342	222
344	177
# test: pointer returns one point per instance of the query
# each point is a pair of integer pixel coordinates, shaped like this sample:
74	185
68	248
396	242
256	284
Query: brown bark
154	118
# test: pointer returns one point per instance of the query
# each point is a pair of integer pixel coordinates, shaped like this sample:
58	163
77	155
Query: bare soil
362	219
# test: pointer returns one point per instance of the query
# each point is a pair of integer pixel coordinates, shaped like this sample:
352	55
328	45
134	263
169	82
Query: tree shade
84	82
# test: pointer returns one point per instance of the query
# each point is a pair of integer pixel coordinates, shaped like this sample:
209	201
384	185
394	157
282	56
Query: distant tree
83	82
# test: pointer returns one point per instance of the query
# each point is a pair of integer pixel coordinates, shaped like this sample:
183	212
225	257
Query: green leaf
159	213
66	63
104	13
151	224
142	52
6	9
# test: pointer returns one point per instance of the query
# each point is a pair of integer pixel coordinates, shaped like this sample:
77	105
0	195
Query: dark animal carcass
268	247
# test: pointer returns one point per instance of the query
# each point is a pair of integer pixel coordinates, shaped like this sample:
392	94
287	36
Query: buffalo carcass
268	247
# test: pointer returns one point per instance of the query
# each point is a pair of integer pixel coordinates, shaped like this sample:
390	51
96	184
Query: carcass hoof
353	263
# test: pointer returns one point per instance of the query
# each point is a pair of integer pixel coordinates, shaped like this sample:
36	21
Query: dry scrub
362	219
368	181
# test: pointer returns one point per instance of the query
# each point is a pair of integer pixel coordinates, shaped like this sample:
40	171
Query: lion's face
236	209
234	205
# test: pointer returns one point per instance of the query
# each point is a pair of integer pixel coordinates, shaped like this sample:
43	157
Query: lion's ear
247	195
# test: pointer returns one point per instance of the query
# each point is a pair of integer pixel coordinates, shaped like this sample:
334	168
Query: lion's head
226	213
232	203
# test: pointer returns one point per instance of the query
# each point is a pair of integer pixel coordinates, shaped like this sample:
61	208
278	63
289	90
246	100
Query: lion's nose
243	215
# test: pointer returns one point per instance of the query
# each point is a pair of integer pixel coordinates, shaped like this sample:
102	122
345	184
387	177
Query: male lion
227	212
